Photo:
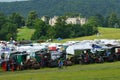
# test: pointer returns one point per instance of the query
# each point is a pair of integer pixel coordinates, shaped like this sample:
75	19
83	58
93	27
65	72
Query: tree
8	30
106	21
78	30
112	20
118	24
50	32
2	19
17	19
69	14
89	29
41	30
61	28
32	16
93	21
100	19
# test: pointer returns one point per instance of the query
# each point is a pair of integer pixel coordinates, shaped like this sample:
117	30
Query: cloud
11	0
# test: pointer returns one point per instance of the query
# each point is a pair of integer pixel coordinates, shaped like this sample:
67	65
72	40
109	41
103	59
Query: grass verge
105	71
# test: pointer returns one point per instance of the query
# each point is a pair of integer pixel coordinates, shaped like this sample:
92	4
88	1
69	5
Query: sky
11	0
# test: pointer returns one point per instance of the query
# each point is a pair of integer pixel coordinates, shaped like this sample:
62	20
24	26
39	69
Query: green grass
25	33
106	33
106	71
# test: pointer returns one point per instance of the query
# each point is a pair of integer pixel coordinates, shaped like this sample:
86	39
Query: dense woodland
99	13
59	7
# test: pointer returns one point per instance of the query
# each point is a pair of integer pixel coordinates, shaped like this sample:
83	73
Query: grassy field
105	33
105	71
25	33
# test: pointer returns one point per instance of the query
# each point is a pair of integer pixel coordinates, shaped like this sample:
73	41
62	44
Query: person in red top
4	66
11	65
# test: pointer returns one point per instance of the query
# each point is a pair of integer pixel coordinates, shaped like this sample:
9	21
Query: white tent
24	48
80	46
38	48
30	48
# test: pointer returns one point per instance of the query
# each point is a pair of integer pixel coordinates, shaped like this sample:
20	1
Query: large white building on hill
53	20
75	20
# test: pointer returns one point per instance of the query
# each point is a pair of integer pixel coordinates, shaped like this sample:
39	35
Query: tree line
9	25
59	7
61	30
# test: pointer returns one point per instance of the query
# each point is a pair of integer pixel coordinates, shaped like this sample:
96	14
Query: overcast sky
11	0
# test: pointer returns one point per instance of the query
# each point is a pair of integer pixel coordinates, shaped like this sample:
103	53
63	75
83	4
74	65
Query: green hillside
105	71
59	7
25	33
105	33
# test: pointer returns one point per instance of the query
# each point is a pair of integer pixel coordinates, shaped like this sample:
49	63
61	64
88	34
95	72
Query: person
21	65
8	66
4	66
12	65
60	63
3	56
65	62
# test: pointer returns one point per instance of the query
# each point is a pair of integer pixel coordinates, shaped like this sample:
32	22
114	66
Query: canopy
80	46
